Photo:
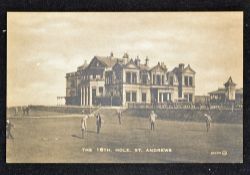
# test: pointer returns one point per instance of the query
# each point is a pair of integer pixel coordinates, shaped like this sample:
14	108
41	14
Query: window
144	78
186	96
158	80
190	81
186	80
101	90
134	78
190	98
110	79
153	79
134	96
162	79
165	97
94	76
128	77
171	80
72	85
160	97
127	96
72	93
143	97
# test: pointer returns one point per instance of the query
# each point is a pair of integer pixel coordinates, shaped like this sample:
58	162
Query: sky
43	46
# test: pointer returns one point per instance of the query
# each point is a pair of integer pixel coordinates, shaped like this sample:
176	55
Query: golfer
152	118
84	125
208	121
8	129
119	114
98	122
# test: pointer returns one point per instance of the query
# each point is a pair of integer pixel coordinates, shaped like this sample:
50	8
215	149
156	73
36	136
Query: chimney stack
137	61
181	66
146	61
125	58
111	54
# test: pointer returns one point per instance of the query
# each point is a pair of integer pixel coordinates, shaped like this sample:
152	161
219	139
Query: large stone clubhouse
111	81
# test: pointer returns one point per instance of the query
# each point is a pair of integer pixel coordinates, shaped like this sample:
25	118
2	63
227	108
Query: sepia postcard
127	87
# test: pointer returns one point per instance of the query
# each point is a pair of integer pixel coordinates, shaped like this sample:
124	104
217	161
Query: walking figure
152	118
84	125
208	121
8	129
98	122
119	114
27	110
16	110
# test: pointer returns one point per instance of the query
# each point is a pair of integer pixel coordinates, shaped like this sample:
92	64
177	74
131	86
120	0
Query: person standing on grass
152	118
84	125
98	122
208	121
16	111
119	114
9	125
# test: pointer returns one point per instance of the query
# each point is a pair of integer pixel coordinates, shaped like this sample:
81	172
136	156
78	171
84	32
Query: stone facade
119	81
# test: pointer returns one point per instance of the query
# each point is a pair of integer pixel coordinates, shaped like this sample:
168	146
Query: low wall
218	116
58	109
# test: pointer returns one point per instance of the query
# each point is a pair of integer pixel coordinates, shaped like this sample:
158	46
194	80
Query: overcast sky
43	47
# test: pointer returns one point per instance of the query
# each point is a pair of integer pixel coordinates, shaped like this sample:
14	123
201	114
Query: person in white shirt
152	118
208	121
9	125
84	125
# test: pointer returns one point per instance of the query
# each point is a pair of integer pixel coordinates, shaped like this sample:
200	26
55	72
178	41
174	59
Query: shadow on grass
76	136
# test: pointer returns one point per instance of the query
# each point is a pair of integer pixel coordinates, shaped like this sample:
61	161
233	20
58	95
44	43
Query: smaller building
228	94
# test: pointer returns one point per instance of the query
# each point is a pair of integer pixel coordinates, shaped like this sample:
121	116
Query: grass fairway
54	139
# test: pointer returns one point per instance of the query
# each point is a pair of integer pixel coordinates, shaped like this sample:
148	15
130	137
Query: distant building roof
229	82
239	91
83	66
108	61
219	91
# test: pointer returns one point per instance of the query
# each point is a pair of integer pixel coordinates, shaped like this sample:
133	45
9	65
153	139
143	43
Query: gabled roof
188	68
175	70
159	66
107	61
82	67
219	91
131	62
230	82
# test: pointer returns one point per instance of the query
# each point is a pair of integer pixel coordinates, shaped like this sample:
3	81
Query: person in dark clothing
119	114
98	122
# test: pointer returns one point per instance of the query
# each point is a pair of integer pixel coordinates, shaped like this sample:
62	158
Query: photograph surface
124	87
